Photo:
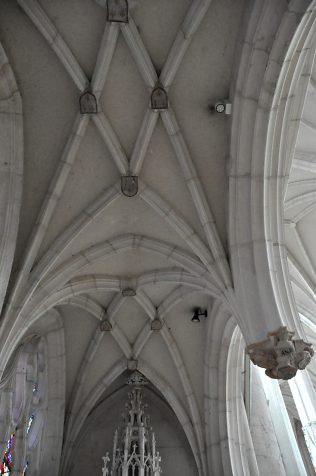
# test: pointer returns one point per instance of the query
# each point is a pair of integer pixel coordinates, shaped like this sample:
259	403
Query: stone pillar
262	103
291	455
241	448
309	431
305	400
265	443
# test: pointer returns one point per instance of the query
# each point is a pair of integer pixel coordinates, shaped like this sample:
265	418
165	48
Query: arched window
133	469
27	409
34	415
24	473
148	471
29	423
7	462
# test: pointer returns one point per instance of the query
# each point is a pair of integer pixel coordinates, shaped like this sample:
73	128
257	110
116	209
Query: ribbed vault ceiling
300	216
80	240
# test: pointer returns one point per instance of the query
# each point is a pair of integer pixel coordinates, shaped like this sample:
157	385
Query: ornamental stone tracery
134	448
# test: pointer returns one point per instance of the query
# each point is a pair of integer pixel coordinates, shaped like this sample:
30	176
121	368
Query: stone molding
11	168
257	167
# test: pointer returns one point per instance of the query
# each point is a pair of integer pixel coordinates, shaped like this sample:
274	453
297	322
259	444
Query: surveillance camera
222	106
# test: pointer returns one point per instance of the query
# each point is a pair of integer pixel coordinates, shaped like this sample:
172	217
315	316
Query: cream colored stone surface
223	220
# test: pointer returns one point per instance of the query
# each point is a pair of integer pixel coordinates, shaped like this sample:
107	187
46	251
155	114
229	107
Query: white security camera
222	106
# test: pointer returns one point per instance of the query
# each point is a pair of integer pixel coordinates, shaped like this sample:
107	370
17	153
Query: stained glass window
31	418
25	468
7	462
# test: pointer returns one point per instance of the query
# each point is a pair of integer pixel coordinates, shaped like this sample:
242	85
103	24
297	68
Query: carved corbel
280	355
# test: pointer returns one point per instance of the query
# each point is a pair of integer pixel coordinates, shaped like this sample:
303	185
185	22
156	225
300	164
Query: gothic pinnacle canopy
134	449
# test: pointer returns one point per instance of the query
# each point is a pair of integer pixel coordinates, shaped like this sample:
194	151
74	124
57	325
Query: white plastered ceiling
80	239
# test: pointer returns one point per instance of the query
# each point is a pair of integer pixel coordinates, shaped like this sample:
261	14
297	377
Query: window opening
24	473
29	424
7	462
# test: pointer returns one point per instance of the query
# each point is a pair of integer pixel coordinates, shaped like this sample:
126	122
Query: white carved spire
134	444
105	468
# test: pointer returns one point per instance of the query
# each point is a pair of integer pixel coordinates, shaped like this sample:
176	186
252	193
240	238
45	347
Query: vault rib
305	253
195	15
63	241
197	193
121	244
80	416
304	161
167	304
301	280
182	228
142	142
48	30
145	66
95	309
183	374
105	55
43	301
50	33
112	142
301	199
50	202
139	53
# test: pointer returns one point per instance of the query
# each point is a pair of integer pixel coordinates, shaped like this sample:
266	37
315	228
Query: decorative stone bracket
280	355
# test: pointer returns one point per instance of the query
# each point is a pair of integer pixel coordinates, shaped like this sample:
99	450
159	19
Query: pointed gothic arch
11	139
168	400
